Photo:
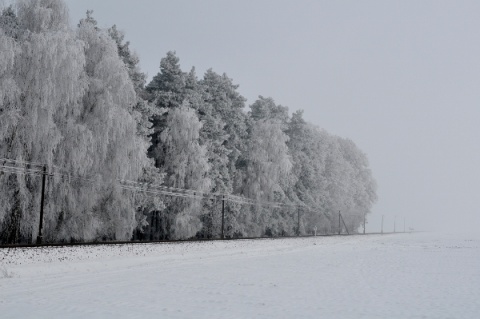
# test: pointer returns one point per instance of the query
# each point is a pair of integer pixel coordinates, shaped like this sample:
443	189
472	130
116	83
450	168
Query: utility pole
364	222
382	224
346	228
223	216
339	223
42	202
298	221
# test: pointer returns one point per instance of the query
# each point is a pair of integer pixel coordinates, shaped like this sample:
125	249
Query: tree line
76	100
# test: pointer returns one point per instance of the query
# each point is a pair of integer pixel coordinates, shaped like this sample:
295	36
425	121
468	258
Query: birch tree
182	159
268	163
71	101
48	73
176	146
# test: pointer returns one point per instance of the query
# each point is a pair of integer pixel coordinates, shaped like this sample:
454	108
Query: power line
21	167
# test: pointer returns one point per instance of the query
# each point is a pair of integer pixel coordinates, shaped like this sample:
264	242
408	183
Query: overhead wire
157	189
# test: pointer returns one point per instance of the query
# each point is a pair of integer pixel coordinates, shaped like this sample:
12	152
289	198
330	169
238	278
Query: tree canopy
75	101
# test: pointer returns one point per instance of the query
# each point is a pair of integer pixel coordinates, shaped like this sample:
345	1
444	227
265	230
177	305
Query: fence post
42	201
223	217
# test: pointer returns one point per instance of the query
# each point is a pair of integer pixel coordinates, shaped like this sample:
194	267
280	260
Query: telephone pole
339	223
223	217
42	202
298	221
382	224
364	222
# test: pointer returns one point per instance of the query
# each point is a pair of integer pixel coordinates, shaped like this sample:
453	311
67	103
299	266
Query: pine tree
176	145
229	132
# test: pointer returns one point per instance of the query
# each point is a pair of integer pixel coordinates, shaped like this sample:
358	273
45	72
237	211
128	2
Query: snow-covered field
421	275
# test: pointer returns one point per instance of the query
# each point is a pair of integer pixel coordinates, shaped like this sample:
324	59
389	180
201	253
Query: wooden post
42	202
223	217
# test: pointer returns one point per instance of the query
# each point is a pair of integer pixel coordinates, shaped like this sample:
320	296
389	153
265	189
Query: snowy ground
422	275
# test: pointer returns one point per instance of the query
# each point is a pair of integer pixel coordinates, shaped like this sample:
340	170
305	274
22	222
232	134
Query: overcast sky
399	78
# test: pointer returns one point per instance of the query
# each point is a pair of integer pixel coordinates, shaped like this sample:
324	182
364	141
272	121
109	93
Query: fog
399	78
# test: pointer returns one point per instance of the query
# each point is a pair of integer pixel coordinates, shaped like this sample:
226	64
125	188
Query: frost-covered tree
144	112
119	149
166	91
330	174
182	101
268	161
9	22
228	136
307	146
167	88
76	101
182	159
10	113
72	105
143	109
129	58
362	187
268	164
224	134
48	73
267	152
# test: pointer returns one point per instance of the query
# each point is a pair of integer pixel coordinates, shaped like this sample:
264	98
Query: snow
420	275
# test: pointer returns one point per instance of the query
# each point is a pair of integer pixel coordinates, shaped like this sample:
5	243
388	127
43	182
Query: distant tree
308	148
362	191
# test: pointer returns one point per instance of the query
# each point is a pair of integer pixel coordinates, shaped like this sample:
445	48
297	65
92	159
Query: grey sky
400	78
